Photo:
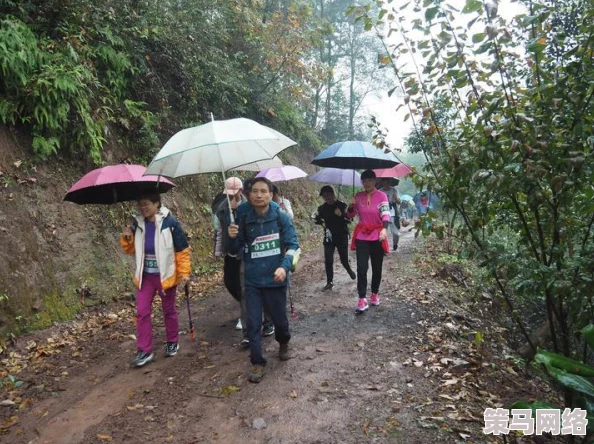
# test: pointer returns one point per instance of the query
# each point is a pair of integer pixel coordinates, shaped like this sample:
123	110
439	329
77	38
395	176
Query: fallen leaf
18	163
366	426
6	403
104	436
464	435
9	422
229	389
293	394
450	382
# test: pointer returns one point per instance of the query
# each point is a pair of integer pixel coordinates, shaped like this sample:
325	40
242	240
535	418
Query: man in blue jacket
267	238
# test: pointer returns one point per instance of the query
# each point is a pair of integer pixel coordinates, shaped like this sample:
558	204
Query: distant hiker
266	237
283	203
370	237
423	203
332	216
162	263
232	270
394	201
406	209
214	206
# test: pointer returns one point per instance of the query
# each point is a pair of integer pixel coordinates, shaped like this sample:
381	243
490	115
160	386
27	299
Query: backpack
217	201
297	254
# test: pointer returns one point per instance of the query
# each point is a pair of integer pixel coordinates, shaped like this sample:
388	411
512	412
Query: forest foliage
76	73
502	109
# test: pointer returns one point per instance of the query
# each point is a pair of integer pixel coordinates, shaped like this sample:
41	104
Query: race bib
264	246
150	264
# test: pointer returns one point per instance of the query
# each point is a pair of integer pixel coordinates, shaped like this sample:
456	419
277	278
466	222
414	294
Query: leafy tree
522	146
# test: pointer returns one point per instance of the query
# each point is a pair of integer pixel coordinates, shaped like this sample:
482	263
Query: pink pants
151	283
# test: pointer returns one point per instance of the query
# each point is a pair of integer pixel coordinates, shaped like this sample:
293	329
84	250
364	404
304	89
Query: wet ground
379	377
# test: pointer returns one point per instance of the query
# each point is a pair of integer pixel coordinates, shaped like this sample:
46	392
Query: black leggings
366	250
342	245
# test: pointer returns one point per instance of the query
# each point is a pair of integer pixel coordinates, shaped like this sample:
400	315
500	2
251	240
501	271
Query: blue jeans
275	299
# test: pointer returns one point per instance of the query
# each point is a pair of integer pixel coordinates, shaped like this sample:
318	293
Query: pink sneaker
374	299
361	305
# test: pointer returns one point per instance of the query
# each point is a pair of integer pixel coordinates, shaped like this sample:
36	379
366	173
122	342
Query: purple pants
151	283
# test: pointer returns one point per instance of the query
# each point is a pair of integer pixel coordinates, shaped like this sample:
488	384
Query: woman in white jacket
163	262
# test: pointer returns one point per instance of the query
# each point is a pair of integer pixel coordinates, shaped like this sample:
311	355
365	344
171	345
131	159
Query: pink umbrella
115	183
278	174
399	170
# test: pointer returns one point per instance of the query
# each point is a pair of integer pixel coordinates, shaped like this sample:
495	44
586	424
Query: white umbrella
261	165
217	146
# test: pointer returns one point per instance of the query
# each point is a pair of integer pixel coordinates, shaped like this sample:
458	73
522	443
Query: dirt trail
348	381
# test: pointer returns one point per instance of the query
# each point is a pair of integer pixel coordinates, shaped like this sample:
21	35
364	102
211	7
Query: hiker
406	209
285	204
215	220
393	200
370	237
332	216
232	271
243	208
162	253
266	237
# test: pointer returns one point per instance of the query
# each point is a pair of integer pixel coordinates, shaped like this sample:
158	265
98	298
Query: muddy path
377	377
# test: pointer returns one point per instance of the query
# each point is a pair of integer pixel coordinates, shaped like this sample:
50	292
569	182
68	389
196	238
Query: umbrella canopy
399	170
261	165
278	174
115	183
354	155
217	146
406	197
336	176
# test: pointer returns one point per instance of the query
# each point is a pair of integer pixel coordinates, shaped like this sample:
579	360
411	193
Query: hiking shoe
395	248
328	286
374	300
239	326
362	305
142	358
352	274
245	343
171	349
256	374
283	352
268	330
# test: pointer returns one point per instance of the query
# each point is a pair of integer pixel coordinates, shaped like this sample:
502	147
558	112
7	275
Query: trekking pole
293	314
187	290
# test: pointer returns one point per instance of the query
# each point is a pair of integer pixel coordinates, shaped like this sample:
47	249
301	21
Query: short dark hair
326	189
247	184
368	174
263	179
274	188
153	196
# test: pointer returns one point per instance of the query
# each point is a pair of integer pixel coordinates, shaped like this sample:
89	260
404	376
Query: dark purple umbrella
115	183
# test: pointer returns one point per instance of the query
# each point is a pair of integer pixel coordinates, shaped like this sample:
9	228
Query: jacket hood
161	214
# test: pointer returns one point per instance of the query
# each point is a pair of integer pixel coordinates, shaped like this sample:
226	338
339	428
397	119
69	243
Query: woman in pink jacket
370	237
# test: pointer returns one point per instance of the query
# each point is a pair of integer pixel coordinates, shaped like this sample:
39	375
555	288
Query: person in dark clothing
265	237
332	216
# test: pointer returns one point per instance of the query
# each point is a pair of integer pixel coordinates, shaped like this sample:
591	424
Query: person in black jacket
332	216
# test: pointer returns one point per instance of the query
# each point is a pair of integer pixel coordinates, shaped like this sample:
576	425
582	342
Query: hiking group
255	236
